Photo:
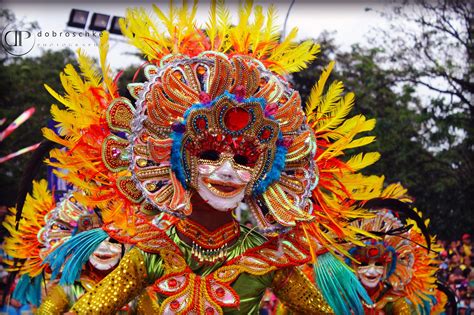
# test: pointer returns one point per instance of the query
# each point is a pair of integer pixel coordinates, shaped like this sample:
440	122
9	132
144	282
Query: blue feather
425	308
73	254
339	285
176	158
28	290
274	174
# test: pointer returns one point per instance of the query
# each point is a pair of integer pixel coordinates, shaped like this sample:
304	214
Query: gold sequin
297	293
124	283
56	302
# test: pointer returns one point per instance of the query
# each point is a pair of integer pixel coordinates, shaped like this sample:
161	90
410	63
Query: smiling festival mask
375	264
225	162
224	127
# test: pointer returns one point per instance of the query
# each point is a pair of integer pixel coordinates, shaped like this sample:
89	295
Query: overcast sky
348	19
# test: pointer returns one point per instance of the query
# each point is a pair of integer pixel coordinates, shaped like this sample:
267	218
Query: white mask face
370	275
222	185
106	256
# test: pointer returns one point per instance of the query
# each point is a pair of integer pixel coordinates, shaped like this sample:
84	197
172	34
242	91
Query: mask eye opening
210	155
241	160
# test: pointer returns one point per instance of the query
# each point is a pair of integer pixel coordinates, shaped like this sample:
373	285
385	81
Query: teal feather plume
339	285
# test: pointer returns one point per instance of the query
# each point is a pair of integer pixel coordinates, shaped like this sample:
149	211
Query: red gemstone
172	283
174	305
236	119
220	292
373	252
201	124
209	311
266	133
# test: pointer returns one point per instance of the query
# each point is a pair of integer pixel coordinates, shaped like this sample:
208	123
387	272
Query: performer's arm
56	302
146	304
401	307
117	288
298	294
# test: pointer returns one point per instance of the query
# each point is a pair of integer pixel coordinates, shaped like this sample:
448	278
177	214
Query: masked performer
397	270
84	260
43	225
215	127
27	243
95	255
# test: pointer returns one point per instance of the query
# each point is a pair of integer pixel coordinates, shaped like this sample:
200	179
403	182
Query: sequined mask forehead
230	127
61	223
378	253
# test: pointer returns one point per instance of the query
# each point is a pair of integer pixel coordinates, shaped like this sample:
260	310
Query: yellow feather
330	100
362	187
360	142
166	19
56	95
316	93
240	33
338	112
285	46
270	35
255	28
224	26
297	58
363	160
74	78
70	92
211	24
396	191
88	69
359	122
345	136
64	118
351	126
103	50
254	38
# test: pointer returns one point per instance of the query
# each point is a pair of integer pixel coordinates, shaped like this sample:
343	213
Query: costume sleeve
120	286
56	302
401	307
298	294
147	305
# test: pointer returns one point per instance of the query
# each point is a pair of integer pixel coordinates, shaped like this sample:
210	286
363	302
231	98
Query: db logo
17	42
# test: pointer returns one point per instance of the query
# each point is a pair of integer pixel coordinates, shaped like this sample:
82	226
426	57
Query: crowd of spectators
457	271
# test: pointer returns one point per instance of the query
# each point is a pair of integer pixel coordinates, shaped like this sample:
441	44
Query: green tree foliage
425	138
429	44
21	83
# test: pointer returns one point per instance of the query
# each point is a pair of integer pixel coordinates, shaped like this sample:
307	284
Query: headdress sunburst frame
198	81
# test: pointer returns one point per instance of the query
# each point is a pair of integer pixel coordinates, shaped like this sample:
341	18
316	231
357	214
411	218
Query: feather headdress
192	68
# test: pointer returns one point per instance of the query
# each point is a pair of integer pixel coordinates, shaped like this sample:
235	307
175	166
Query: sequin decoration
128	187
113	150
119	115
187	292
